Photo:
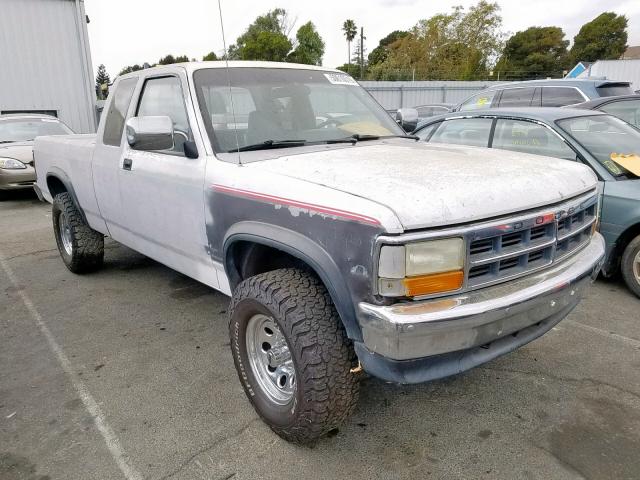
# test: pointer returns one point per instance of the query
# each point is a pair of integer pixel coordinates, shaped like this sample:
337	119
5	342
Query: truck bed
70	156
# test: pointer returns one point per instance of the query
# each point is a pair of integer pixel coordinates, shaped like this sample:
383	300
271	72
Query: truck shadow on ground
481	422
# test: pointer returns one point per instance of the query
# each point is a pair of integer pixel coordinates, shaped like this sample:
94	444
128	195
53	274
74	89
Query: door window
114	123
516	97
529	137
560	96
163	97
479	101
426	132
464	131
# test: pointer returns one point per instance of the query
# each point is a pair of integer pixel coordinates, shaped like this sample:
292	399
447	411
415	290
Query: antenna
226	59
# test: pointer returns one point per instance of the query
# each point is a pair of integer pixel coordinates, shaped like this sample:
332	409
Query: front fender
305	249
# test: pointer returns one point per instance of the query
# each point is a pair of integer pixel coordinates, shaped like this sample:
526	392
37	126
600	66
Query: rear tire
630	265
81	247
297	375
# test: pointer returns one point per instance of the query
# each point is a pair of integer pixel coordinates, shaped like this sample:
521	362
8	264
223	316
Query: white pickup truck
345	244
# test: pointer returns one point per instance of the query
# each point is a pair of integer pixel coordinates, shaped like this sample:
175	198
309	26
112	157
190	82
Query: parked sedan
626	107
17	133
608	145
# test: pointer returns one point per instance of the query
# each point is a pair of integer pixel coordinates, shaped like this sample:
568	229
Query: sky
125	32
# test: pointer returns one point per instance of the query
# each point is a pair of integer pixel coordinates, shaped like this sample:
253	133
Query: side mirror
407	118
150	133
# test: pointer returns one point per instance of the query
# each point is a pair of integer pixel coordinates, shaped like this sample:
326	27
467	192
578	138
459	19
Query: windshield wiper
355	138
270	144
411	137
359	137
7	141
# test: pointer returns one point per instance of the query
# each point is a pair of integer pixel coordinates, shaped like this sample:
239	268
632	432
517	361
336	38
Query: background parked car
17	133
426	111
626	107
601	141
545	93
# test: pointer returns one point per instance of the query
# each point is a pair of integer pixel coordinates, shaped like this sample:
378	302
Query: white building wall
622	70
45	61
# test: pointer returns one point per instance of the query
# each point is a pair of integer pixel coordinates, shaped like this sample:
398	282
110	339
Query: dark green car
602	141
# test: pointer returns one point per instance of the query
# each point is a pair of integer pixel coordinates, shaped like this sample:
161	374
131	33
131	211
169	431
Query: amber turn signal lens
433	283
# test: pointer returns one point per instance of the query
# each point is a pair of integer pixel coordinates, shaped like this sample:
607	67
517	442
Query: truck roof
190	67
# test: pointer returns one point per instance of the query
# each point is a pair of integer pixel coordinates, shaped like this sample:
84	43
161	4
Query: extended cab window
560	96
529	137
114	123
481	100
516	97
163	97
464	131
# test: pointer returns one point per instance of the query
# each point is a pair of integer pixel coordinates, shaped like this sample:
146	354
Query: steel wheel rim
636	267
65	234
270	359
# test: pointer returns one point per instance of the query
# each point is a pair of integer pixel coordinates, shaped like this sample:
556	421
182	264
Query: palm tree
350	31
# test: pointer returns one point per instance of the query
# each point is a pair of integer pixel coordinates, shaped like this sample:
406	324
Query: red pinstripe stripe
294	203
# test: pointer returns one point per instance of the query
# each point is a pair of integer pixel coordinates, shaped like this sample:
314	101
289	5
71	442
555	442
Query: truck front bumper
424	340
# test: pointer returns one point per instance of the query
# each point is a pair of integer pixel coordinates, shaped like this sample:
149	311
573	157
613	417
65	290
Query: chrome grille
502	251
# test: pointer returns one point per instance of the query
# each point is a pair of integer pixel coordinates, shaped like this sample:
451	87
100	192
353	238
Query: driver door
161	191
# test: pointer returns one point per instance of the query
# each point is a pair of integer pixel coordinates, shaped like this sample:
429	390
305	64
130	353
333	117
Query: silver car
17	133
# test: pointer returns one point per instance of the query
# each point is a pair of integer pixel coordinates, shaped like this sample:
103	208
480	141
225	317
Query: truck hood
428	185
22	151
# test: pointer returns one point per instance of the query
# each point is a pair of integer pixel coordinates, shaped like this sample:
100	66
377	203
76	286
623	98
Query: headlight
423	268
11	164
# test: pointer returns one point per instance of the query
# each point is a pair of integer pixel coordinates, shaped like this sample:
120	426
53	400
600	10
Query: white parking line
603	333
110	438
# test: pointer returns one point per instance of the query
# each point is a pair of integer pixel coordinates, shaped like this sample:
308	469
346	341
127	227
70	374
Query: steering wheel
329	121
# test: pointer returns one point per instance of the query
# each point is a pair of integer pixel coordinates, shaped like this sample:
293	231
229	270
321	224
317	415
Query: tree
169	59
351	69
603	38
309	46
534	52
102	82
350	31
461	45
380	53
131	68
265	39
209	57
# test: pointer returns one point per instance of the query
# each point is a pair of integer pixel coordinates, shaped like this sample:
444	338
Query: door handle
126	165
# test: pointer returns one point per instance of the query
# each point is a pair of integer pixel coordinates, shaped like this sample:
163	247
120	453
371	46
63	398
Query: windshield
614	143
273	105
26	129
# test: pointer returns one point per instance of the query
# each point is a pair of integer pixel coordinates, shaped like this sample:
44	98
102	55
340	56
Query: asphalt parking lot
126	373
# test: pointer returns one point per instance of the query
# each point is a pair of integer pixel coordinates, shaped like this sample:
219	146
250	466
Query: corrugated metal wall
623	70
392	95
45	63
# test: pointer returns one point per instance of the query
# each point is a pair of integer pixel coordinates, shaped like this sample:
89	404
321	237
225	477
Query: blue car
543	93
610	146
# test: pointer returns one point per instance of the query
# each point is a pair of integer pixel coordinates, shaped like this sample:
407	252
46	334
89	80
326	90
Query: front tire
81	247
292	354
630	265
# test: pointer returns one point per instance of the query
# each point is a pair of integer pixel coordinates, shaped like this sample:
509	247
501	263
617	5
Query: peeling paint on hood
429	185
